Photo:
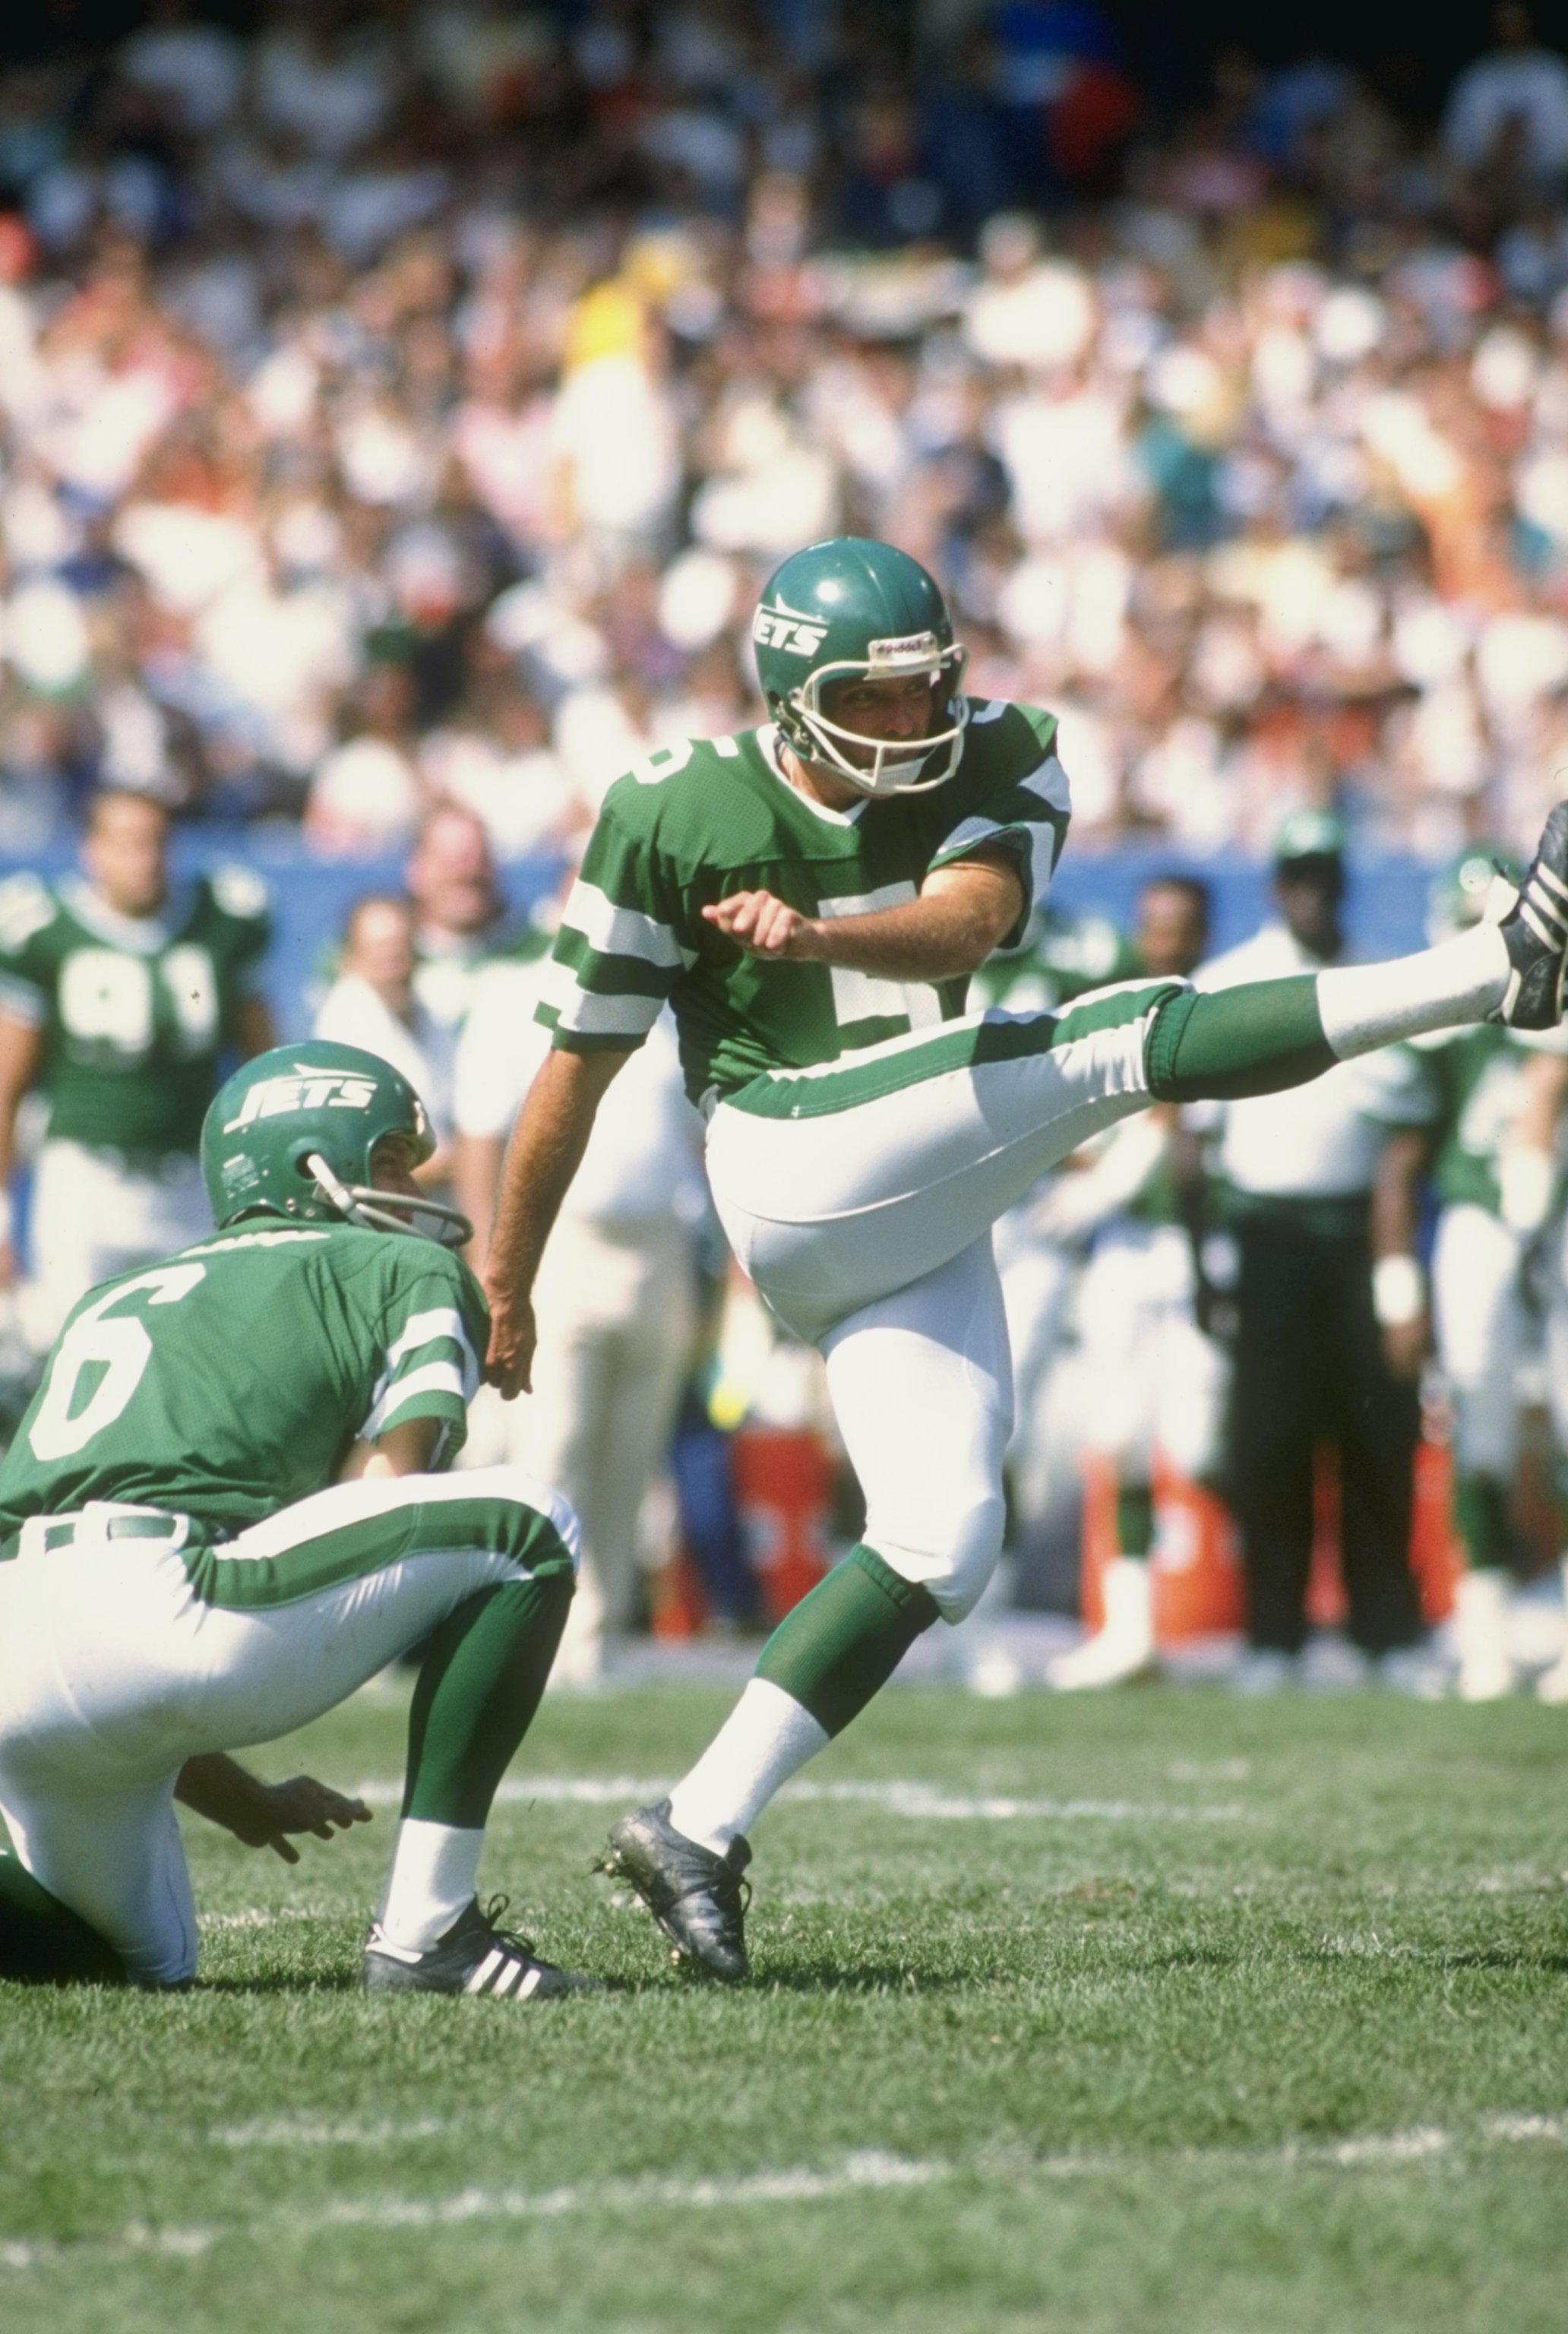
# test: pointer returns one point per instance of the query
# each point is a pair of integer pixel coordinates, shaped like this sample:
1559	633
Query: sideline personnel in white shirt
1322	1181
616	1296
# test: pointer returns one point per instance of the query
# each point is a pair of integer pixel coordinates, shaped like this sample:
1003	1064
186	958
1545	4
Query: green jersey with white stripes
134	1009
1476	1078
699	821
233	1378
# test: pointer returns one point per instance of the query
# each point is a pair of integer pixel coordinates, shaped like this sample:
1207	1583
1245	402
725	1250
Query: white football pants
860	1197
114	1671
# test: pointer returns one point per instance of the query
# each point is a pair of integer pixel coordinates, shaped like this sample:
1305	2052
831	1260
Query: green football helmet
853	610
1457	898
294	1133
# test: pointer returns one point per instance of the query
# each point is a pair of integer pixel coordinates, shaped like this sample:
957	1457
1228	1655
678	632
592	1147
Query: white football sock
766	1739
1364	1005
435	1867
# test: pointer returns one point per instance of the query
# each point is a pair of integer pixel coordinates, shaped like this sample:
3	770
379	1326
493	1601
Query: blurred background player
1321	1182
1060	955
1494	1178
1153	1379
616	1300
375	1003
461	919
120	989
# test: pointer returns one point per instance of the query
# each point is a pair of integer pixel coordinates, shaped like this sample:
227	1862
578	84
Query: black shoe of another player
698	1898
1536	933
472	1956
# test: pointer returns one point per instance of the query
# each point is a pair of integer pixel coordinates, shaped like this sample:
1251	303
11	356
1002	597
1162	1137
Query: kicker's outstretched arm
546	1150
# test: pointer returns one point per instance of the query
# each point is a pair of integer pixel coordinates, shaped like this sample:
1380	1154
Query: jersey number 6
119	1346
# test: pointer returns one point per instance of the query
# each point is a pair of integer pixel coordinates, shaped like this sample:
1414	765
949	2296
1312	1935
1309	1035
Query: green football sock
43	1941
1481	1514
478	1687
843	1641
1134	1518
1223	1046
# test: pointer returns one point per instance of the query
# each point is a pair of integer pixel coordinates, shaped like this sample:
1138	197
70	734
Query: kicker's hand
301	1804
765	926
509	1361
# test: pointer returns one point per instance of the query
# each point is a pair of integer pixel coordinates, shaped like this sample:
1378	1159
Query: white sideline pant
114	1672
1154	1379
93	1217
1480	1331
1037	1281
616	1309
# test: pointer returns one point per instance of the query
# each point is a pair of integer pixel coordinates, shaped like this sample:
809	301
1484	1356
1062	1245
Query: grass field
1158	2011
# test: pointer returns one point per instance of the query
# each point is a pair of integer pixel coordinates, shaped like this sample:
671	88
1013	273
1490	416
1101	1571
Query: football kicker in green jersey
135	1009
697	822
232	1379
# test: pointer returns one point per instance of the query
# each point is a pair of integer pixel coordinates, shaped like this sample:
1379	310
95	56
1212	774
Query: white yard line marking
1390	2147
308	2131
265	1916
923	1801
867	2169
1553	2129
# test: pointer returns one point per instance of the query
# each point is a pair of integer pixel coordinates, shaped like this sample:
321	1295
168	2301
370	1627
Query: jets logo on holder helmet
274	1098
851	609
294	1133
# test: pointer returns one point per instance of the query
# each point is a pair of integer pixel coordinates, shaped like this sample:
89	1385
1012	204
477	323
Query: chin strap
391	1211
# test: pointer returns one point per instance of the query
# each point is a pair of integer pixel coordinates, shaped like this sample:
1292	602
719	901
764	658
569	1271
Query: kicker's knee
953	1566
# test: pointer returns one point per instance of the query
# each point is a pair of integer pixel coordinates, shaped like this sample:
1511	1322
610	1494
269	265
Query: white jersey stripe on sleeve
589	1015
439	1321
434	1377
610	930
1050	783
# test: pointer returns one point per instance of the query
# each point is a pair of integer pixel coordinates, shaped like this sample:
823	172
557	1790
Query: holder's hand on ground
301	1804
765	926
509	1361
261	1814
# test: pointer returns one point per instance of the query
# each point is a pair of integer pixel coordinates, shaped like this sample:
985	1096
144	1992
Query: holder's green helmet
294	1133
1458	896
853	610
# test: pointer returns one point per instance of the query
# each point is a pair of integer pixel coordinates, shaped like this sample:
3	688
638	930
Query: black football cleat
472	1956
698	1898
1535	932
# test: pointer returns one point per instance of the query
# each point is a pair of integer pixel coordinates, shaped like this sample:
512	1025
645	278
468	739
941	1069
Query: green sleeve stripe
434	1393
452	1352
578	1041
607	975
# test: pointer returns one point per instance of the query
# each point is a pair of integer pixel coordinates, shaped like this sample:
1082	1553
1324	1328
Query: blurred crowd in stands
402	403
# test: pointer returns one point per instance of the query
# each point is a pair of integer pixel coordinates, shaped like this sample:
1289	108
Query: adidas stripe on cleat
472	1956
1535	930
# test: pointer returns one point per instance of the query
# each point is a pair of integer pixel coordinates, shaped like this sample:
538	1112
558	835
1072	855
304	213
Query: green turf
1276	2039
